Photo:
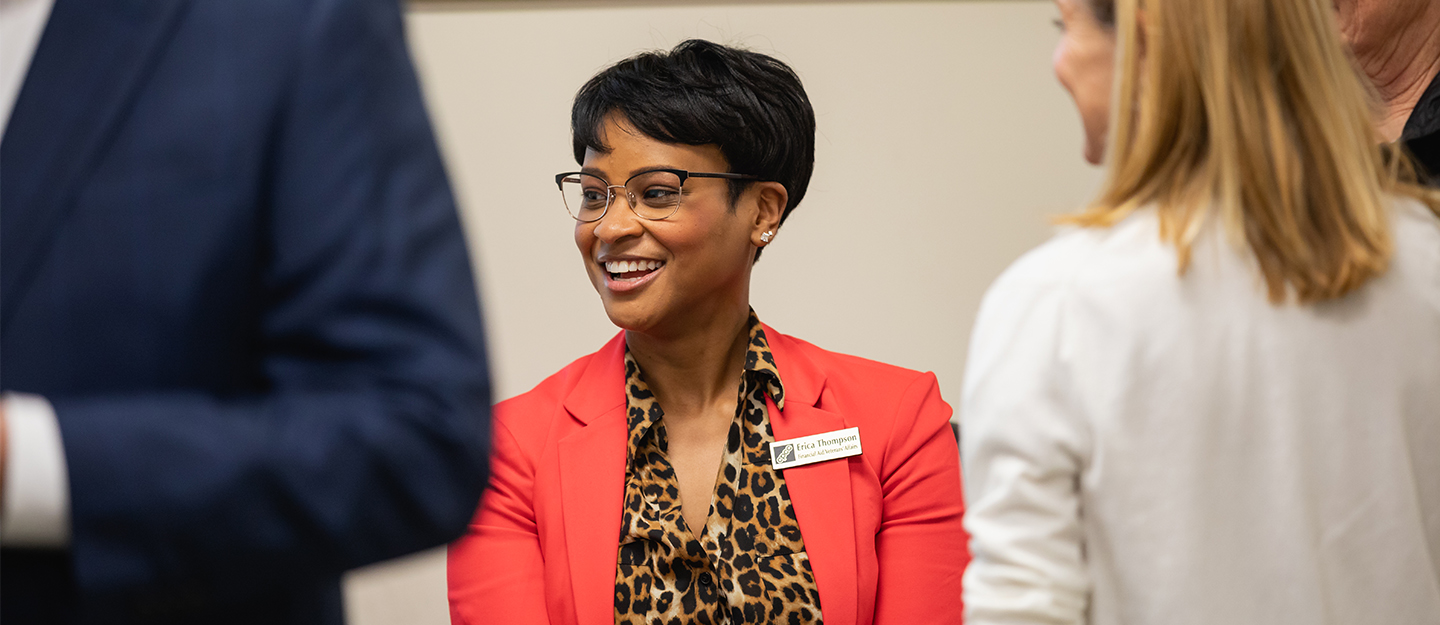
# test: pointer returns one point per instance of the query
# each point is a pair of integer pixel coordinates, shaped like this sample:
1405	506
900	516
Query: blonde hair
1252	109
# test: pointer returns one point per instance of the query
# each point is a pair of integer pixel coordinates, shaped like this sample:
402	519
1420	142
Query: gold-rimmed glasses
653	194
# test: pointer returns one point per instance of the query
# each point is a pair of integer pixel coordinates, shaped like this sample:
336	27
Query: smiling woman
637	484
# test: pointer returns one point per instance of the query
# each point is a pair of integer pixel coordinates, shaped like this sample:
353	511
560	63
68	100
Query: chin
1094	154
628	323
630	316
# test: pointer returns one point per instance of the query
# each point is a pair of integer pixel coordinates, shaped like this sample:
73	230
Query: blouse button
704	579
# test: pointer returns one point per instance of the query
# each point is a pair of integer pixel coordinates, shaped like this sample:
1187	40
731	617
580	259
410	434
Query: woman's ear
770	199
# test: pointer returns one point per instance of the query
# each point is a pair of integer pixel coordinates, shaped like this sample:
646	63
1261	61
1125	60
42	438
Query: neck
1401	68
699	368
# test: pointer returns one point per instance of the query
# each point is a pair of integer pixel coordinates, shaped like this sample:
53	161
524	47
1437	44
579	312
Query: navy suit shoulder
232	261
1421	134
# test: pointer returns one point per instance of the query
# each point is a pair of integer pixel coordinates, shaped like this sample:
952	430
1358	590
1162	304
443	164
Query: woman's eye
661	195
594	196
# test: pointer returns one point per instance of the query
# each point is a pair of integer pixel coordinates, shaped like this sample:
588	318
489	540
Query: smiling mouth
631	270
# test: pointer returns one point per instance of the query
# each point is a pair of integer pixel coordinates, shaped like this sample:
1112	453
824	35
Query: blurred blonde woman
1216	399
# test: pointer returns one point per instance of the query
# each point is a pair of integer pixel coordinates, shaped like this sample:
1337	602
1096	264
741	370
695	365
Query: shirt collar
760	363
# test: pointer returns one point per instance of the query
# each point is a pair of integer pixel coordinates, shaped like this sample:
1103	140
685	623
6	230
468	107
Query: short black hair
750	105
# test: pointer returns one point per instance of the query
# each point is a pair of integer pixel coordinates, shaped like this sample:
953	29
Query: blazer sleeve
921	547
367	437
496	571
1024	448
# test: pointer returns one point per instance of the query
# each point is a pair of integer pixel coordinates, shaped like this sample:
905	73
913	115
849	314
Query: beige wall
944	143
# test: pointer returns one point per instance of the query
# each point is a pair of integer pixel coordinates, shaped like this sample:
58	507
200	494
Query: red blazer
882	529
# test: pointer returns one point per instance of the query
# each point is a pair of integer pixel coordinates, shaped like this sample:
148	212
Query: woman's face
1085	63
701	255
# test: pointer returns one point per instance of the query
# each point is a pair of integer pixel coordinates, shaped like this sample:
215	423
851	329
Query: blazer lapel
820	492
82	80
592	483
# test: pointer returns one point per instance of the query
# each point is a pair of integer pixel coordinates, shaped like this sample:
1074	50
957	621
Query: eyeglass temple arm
726	176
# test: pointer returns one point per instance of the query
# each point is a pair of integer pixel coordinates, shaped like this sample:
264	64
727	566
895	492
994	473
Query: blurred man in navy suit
239	334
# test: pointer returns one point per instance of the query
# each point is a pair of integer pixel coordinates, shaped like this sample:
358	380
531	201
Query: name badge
815	448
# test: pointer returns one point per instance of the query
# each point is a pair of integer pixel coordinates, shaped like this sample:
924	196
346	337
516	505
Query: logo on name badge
784	454
805	450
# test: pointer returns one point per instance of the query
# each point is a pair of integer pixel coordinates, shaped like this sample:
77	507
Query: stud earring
766	237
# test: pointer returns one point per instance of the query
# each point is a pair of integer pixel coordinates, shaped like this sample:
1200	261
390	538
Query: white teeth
626	266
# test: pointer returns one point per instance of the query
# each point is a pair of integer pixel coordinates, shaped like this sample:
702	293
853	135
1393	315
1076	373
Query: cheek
707	246
1087	76
584	239
1100	80
685	241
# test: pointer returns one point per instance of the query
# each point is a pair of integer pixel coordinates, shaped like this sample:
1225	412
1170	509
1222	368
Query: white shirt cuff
36	509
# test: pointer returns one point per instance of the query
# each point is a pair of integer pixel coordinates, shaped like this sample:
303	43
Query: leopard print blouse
748	565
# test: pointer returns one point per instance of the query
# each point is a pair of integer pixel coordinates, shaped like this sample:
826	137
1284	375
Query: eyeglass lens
652	195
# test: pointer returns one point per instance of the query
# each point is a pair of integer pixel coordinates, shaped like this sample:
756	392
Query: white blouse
1145	448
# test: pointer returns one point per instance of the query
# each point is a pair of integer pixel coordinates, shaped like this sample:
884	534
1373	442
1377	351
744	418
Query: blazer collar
600	386
80	85
804	380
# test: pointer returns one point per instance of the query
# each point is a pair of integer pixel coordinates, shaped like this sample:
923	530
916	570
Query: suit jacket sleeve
922	514
504	531
365	438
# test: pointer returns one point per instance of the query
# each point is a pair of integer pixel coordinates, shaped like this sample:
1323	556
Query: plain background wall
944	146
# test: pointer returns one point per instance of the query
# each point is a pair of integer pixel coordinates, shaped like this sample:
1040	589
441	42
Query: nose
619	221
1058	60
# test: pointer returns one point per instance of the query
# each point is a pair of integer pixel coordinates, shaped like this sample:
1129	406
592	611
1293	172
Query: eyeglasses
653	194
